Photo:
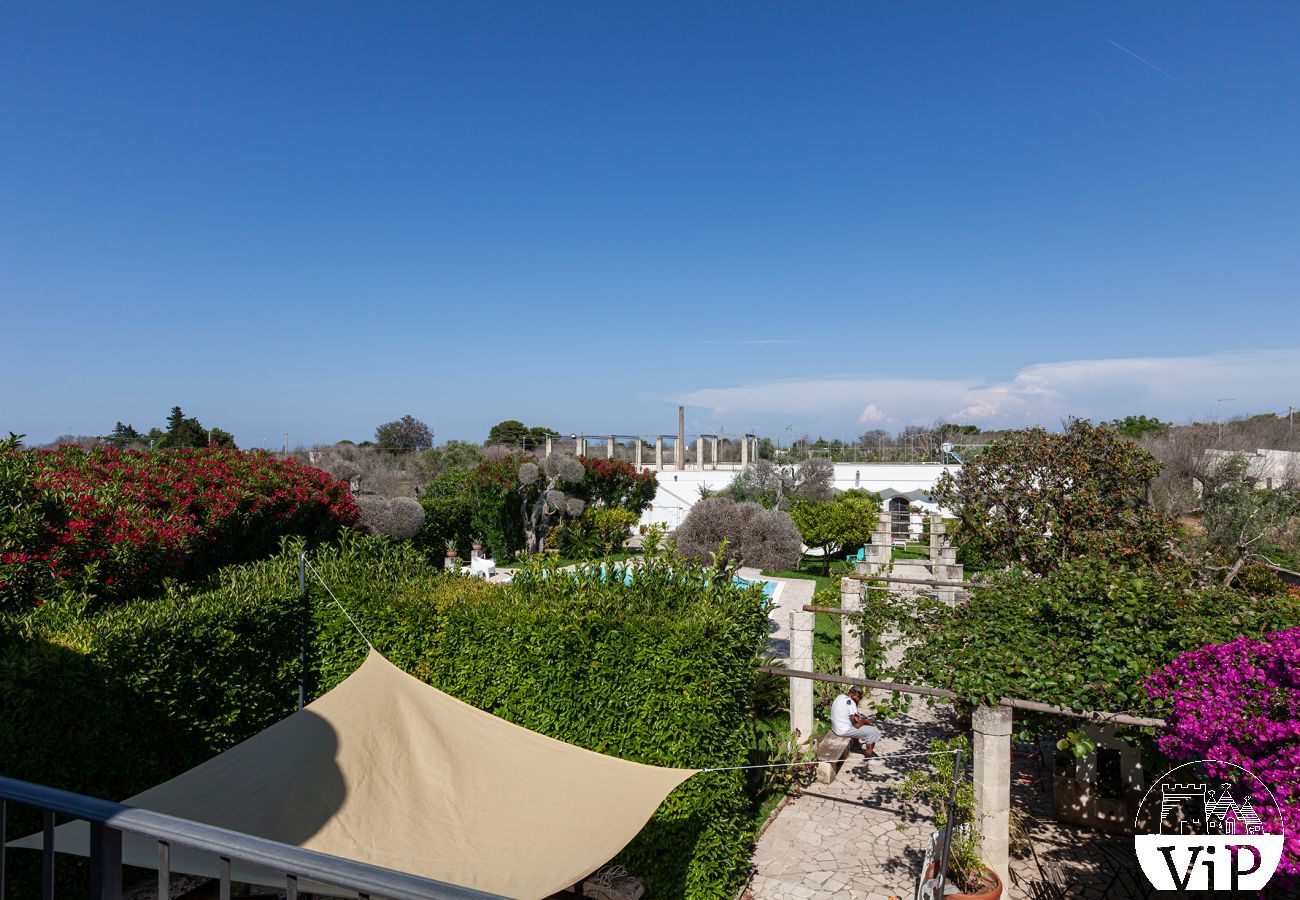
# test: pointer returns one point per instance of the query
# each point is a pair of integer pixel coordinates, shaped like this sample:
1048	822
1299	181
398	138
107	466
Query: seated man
846	721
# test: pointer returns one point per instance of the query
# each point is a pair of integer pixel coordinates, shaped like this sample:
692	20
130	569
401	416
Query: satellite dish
946	447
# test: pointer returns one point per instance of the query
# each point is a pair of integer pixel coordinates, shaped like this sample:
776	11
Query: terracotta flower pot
992	893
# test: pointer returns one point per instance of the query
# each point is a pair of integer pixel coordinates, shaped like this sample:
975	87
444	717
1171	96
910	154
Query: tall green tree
405	435
508	431
845	521
124	436
1039	499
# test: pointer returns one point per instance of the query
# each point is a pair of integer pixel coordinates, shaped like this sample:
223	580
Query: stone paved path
842	840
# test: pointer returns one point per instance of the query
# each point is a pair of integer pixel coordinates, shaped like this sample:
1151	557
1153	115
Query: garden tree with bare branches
542	499
740	533
1039	499
1240	518
407	434
846	520
763	481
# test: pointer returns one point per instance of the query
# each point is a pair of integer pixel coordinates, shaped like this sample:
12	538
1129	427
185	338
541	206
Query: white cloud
1173	388
872	415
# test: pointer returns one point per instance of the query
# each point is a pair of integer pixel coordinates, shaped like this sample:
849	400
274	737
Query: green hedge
661	673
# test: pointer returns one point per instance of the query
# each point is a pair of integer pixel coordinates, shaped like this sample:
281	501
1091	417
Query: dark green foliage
516	433
1039	499
124	436
660	673
405	435
449	509
1085	636
185	432
1137	427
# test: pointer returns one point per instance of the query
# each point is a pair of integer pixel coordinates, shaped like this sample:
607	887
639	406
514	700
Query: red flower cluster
117	522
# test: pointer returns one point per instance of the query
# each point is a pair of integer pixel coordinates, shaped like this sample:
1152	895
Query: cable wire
337	602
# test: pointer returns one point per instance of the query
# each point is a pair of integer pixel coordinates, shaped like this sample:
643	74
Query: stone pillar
851	636
548	445
639	442
659	453
679	453
580	446
699	453
938	536
947	569
609	447
992	780
880	550
714	441
744	451
801	689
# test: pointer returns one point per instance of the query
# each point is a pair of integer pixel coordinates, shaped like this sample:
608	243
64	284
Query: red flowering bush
108	523
1239	703
615	483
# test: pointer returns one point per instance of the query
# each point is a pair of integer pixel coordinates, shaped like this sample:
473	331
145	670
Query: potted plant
451	552
478	548
931	785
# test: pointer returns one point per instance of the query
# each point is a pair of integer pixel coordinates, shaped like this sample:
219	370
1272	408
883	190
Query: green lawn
826	631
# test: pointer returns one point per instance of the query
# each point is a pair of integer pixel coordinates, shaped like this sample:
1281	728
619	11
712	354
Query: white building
900	485
1269	468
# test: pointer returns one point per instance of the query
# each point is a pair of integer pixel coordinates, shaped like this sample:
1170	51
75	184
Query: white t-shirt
843	707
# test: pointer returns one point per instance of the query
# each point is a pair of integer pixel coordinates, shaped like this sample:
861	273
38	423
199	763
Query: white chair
482	568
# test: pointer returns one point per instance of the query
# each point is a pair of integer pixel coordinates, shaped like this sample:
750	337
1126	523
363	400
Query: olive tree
542	499
742	532
1240	517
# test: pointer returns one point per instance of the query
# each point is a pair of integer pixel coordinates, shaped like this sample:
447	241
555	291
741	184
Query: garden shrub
659	672
115	523
741	532
616	483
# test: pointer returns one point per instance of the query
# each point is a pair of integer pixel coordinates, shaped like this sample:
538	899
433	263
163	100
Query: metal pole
302	633
952	812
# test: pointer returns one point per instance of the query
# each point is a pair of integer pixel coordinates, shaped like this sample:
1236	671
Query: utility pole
286	445
1218	414
681	438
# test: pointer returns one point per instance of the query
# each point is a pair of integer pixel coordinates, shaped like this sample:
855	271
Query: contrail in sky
1147	62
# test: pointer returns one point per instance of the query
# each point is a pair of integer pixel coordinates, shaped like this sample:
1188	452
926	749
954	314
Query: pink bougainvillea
1240	703
116	523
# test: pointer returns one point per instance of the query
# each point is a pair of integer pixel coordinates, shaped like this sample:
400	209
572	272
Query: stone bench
832	751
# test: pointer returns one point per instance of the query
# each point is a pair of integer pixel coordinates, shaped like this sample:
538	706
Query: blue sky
317	217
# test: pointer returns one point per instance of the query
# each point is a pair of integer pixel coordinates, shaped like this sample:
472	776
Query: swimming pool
771	589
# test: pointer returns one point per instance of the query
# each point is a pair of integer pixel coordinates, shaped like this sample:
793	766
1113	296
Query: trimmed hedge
660	673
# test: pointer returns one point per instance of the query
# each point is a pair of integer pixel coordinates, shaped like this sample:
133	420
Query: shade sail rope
337	602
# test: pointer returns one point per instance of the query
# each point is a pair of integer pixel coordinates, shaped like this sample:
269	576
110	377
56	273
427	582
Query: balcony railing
108	821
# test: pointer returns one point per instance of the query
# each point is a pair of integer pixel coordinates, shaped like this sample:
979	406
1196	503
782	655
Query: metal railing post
164	870
952	824
2	849
105	862
47	855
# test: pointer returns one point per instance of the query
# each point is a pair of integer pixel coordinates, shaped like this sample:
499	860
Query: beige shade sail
387	770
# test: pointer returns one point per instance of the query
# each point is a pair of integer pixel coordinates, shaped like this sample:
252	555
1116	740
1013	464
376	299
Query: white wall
678	490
